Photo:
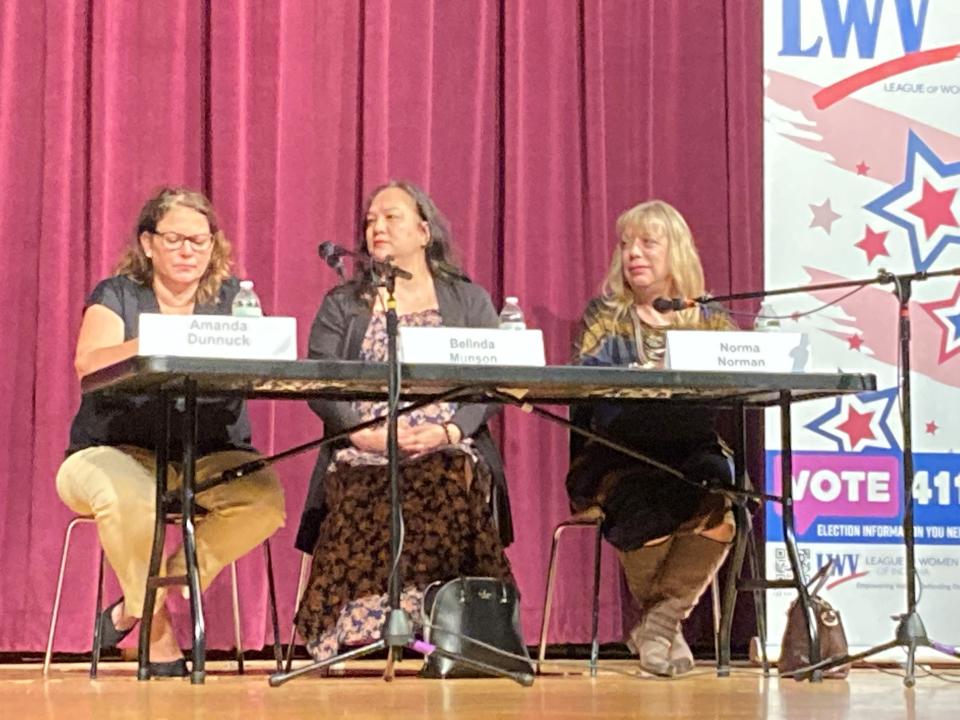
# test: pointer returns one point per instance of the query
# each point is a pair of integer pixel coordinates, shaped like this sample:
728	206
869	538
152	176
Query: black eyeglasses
175	241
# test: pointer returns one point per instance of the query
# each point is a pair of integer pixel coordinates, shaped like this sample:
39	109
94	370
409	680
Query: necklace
651	341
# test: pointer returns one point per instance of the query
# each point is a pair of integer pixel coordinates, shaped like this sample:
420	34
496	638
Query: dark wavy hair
441	258
135	264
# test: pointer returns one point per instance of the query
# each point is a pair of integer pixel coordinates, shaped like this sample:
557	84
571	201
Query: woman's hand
416	439
372	439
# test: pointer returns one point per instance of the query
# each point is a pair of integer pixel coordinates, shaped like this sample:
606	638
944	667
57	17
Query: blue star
955	321
888	397
878	206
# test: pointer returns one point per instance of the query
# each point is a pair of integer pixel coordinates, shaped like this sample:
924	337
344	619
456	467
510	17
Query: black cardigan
337	333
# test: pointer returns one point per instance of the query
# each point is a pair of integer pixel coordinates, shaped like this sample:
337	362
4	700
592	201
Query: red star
855	341
795	316
932	427
934	208
872	244
857	427
862	168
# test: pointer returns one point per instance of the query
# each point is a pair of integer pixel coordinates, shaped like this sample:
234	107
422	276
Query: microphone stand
397	632
910	632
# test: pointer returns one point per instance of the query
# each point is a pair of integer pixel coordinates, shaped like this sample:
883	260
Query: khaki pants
117	485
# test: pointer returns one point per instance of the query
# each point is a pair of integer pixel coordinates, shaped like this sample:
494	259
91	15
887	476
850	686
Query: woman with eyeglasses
455	509
178	263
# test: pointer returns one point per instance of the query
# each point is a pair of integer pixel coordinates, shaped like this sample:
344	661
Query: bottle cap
246	284
512	299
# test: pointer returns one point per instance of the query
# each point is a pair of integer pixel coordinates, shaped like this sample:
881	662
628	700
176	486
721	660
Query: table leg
189	537
789	533
729	602
159	535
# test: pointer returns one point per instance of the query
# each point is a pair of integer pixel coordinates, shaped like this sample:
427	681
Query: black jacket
337	333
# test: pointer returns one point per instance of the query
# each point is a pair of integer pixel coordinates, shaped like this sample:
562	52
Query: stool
592	518
172	519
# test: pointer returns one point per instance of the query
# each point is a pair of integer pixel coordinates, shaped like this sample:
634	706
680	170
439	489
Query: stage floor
68	693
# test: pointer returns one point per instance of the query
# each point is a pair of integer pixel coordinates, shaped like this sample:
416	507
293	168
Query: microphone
333	256
386	269
442	266
662	304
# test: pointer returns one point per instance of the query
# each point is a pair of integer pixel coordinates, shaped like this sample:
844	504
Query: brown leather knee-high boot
684	574
640	568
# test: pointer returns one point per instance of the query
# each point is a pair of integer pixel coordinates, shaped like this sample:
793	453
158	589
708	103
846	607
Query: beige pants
117	485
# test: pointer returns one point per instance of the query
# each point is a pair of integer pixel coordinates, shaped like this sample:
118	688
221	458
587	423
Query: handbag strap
819	579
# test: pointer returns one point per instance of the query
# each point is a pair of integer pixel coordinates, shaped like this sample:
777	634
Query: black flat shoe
110	636
174	668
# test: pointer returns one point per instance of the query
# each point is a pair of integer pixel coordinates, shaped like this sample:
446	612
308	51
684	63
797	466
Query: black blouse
105	419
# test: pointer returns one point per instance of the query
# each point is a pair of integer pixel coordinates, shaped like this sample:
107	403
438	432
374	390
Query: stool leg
236	617
56	598
301	587
759	596
594	642
715	601
97	640
272	597
548	595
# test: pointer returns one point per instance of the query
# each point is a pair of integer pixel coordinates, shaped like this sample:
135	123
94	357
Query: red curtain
532	123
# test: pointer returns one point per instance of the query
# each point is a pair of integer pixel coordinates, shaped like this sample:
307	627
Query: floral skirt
448	531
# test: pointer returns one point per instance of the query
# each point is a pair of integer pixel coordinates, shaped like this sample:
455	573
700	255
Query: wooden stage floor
564	694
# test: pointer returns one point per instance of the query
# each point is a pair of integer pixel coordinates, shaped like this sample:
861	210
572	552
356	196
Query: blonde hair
685	270
134	262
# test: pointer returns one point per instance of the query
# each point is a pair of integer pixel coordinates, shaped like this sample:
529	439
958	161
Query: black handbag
479	608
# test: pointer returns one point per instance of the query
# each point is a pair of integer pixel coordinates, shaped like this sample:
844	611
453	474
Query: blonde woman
672	536
178	263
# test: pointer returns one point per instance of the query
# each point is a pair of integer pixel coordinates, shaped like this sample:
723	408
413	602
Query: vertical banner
862	173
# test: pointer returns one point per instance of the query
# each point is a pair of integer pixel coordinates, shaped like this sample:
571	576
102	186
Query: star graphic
823	215
855	341
932	427
934	208
919	203
872	243
857	427
946	313
862	168
859	422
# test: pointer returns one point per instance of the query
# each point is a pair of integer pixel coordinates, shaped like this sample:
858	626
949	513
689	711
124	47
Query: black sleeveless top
103	419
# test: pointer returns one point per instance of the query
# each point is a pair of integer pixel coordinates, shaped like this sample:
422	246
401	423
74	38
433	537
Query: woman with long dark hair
456	515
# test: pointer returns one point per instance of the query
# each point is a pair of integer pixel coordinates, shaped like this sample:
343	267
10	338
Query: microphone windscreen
662	304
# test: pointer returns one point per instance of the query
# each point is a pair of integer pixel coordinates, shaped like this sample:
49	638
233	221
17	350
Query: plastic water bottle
765	322
511	317
246	303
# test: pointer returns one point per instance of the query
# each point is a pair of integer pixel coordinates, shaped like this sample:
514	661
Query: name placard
471	346
737	351
219	336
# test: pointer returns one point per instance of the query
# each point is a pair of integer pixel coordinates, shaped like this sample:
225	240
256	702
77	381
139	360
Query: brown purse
794	648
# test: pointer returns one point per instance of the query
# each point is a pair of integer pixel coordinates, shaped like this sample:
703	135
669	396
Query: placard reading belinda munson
471	346
219	336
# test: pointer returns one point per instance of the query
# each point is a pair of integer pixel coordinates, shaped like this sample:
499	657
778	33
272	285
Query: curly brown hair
135	264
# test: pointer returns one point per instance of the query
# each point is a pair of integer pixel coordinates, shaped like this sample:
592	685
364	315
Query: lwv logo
843	19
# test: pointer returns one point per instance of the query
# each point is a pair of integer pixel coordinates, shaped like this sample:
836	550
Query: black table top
339	379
